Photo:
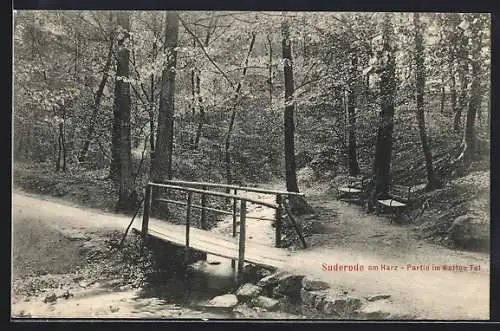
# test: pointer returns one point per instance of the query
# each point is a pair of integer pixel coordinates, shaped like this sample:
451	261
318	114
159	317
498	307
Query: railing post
277	224
203	211
235	207
235	211
241	251
188	223
145	214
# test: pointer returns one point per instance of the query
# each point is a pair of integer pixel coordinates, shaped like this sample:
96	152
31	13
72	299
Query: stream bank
57	247
63	269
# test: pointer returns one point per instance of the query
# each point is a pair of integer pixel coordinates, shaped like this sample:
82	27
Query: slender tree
201	108
298	204
469	142
114	168
449	26
152	88
383	147
127	195
97	102
463	64
351	116
270	69
432	180
162	156
290	165
236	98
453	85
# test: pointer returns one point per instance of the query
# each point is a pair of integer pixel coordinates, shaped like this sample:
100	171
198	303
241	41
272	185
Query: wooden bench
353	188
397	201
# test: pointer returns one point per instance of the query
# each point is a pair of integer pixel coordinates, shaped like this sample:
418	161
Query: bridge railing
280	206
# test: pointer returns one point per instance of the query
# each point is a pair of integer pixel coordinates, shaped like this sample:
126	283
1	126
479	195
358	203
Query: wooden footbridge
234	247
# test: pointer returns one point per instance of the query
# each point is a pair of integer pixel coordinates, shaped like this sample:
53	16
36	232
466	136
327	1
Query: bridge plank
218	244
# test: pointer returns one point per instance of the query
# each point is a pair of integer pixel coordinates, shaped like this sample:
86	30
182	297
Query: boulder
248	291
467	231
266	303
307	297
50	298
319	301
271	280
377	310
312	298
223	301
246	312
252	273
378	297
340	306
114	308
289	285
314	284
66	295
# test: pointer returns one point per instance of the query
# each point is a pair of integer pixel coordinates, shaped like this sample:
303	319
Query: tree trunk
351	119
464	81
452	25
162	161
77	46
59	144
201	113
127	199
227	141
270	78
432	180
298	205
443	95
469	142
59	147
383	148
274	129
453	91
97	103
152	104
193	94
114	169
201	107
290	165
479	110
489	106
63	139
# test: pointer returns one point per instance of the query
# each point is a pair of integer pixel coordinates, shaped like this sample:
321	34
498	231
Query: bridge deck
217	244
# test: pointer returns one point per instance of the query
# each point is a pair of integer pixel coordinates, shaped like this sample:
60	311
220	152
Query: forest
120	98
317	104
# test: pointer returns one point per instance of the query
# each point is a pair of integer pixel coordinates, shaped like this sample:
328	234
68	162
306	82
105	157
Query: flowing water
169	295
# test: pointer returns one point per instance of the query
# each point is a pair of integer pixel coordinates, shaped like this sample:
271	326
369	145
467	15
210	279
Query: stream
167	297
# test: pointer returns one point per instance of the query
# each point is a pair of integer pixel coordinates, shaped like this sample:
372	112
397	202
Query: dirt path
350	237
257	230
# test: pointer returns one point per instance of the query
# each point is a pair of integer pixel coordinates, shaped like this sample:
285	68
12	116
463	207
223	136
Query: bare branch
307	75
305	83
214	38
230	81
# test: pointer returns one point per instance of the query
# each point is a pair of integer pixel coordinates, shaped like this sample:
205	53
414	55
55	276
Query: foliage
60	55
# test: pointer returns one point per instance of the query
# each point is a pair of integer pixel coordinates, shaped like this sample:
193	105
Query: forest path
356	238
350	236
347	235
